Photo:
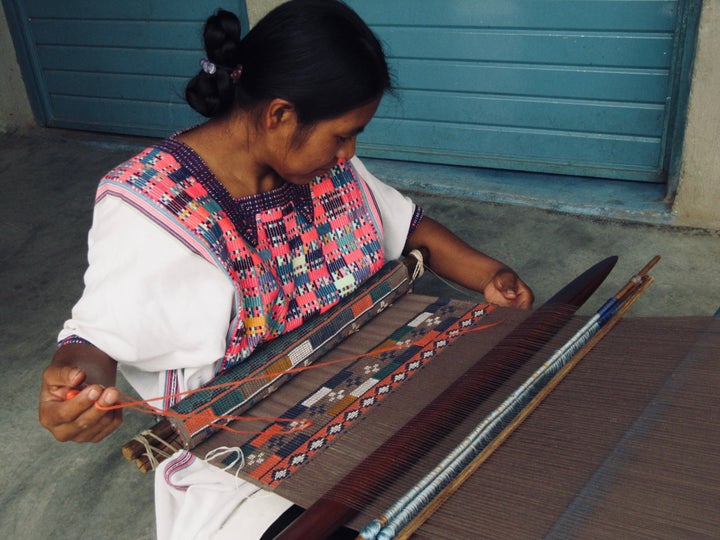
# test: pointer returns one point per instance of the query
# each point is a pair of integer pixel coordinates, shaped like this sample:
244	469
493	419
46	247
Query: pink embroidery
301	264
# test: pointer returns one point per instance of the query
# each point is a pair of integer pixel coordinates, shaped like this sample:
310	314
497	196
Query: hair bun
213	94
222	38
210	95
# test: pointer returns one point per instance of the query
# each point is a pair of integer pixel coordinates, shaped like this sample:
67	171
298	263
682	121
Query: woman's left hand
508	290
454	259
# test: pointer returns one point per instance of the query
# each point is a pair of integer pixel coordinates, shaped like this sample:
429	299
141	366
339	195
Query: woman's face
323	145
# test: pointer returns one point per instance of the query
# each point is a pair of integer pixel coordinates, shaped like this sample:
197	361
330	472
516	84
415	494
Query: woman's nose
347	149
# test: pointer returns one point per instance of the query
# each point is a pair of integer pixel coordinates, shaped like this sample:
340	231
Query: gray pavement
67	491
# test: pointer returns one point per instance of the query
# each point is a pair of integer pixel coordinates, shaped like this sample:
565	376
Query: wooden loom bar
632	294
490	431
134	448
439	417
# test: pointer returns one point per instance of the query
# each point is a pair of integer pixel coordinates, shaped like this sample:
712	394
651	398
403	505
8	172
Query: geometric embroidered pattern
295	253
273	455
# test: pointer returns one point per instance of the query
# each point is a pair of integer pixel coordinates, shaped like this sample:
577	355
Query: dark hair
317	54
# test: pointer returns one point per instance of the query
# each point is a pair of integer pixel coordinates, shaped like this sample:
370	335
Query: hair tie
211	68
235	73
207	66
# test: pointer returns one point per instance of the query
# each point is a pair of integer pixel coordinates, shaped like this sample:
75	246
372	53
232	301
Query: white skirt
198	501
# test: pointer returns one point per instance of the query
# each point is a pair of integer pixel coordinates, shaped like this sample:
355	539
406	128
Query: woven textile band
297	348
384	356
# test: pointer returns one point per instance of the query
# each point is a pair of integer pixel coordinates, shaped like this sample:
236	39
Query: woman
239	230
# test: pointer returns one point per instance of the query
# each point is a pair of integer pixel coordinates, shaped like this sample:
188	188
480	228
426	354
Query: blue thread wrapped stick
405	510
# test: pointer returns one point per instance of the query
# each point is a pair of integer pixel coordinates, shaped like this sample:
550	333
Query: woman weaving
236	231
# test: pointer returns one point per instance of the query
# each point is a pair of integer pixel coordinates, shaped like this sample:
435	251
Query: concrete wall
258	8
697	202
15	112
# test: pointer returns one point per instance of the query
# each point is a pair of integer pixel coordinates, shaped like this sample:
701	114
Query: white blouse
154	305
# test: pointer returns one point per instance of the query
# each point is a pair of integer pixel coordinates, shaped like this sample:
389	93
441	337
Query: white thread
221	451
151	450
420	266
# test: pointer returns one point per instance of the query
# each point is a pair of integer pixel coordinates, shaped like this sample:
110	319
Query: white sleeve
396	210
149	302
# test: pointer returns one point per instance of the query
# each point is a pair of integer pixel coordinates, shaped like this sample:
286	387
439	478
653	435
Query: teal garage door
562	86
578	87
117	67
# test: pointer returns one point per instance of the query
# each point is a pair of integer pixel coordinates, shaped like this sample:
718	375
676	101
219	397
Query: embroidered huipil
183	280
290	253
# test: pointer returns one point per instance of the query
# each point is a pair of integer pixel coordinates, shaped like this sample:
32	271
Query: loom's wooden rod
611	305
428	510
438	418
161	443
173	444
403	510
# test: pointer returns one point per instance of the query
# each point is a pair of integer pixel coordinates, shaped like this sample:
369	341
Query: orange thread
205	416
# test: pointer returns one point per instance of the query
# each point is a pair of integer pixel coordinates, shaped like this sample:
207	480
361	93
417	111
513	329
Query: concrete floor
67	491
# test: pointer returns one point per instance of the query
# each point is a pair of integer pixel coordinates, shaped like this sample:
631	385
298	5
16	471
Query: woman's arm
83	367
454	259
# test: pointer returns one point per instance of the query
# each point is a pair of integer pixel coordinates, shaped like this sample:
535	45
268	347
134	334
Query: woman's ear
280	113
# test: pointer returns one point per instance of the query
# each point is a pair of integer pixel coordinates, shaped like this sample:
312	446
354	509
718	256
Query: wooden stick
632	295
162	439
637	279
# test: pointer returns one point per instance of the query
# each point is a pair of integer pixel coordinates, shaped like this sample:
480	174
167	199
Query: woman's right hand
76	419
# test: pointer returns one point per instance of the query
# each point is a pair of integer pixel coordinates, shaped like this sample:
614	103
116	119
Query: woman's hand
452	258
74	417
508	290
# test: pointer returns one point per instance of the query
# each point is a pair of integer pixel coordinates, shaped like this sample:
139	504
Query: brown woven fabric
627	446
